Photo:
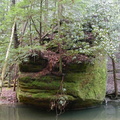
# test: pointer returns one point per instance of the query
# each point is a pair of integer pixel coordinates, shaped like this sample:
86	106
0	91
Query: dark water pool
22	112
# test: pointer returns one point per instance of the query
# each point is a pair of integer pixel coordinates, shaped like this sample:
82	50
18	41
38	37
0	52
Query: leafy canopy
80	26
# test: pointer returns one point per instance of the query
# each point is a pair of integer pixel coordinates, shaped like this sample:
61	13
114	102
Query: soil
8	96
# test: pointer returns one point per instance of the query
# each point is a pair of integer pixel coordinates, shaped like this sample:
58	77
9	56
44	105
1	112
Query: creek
24	112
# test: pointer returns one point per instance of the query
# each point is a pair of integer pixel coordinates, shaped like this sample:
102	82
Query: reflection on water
22	112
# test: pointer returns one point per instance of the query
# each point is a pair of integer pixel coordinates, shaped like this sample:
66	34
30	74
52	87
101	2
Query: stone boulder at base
83	84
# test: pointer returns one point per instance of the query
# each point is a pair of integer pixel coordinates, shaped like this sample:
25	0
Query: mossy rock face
85	86
34	64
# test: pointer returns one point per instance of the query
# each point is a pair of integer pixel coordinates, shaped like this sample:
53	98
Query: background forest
30	25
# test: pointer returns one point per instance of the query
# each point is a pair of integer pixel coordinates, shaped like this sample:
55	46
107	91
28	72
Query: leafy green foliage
83	27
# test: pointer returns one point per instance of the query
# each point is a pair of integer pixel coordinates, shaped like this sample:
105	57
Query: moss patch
74	68
85	85
34	64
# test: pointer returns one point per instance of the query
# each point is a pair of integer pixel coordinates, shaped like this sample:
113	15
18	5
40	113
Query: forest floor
8	96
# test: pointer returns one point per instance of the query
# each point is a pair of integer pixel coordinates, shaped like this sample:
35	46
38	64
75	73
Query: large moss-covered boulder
83	85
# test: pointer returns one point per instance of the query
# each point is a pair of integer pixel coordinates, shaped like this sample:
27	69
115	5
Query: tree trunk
13	2
40	35
6	58
16	42
30	27
46	16
114	78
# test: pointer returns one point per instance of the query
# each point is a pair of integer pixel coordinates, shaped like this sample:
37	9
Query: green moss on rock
34	64
74	68
48	82
85	86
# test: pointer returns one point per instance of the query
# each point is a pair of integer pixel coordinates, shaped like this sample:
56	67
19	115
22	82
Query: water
22	112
